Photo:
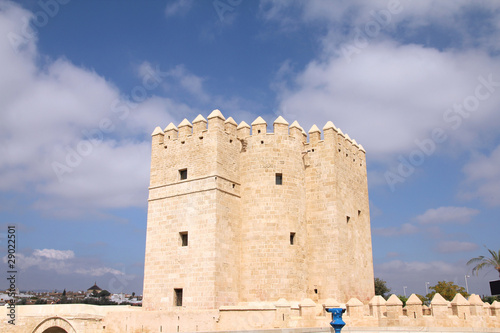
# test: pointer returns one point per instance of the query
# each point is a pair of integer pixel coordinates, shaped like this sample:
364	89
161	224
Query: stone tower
237	214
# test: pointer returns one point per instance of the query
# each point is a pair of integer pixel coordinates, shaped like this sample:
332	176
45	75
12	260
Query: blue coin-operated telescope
337	322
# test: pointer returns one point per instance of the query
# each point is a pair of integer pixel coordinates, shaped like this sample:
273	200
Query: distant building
93	290
118	298
4	298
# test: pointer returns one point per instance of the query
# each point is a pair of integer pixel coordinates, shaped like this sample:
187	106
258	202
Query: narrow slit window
279	179
183	174
292	238
348	218
178	297
184	238
359	213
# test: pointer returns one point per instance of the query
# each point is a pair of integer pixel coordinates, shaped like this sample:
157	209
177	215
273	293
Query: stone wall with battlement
252	237
377	315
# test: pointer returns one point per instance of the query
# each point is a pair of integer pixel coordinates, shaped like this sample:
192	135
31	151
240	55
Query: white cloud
483	178
456	246
417	266
404	229
442	215
54	254
190	82
100	271
62	262
178	7
78	143
99	179
69	134
397	16
392	94
192	89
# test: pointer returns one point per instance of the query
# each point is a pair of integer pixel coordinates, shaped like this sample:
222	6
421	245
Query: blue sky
84	83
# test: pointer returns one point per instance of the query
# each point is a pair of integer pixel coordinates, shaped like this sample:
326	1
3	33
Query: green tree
381	288
446	289
97	301
424	299
490	299
483	262
22	301
104	293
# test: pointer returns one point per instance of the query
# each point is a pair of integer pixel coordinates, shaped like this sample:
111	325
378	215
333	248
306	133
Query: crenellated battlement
378	315
217	122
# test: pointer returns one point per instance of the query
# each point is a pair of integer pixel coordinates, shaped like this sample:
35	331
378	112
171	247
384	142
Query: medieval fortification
238	214
249	230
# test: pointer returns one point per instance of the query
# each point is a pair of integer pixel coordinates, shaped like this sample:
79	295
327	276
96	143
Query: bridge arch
54	325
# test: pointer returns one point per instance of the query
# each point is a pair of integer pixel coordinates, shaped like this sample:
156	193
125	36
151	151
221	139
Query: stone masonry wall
378	315
205	269
271	266
249	238
341	264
